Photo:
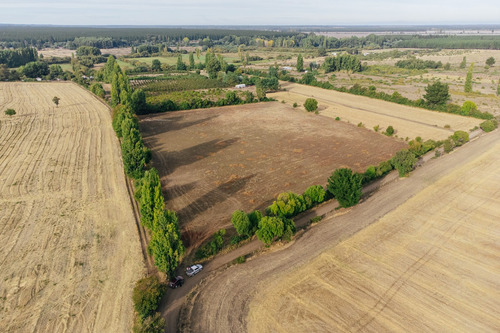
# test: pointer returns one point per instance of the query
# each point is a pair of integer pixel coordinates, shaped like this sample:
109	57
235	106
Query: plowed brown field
214	161
69	250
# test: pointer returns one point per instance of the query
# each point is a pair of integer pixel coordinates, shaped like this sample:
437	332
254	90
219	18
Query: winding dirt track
69	249
422	254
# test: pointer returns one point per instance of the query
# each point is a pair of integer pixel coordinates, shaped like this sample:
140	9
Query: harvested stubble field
430	265
69	249
407	121
214	161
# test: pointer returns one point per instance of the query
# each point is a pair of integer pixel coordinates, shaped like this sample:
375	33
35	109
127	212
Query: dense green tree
35	69
345	187
156	65
181	66
468	107
254	218
109	69
87	51
270	228
138	101
404	161
213	67
125	89
260	91
490	61
389	130
300	63
468	79
166	244
437	93
115	90
55	71
191	60
241	223
460	137
346	62
148	188
135	155
314	195
97	89
498	88
56	100
147	296
287	204
311	104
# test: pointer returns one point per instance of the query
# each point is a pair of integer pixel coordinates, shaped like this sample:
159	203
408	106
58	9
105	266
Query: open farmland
430	265
214	161
407	121
419	255
69	249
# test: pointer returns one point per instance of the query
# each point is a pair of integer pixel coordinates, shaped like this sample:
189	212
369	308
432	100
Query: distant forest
12	36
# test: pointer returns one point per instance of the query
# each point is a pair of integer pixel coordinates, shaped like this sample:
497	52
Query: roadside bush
383	168
489	125
460	137
370	174
242	223
448	145
213	247
345	186
468	107
98	90
147	296
152	324
404	161
273	227
311	104
287	204
389	131
10	112
314	195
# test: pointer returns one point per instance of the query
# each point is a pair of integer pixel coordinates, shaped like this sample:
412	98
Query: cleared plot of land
430	265
407	121
214	161
69	250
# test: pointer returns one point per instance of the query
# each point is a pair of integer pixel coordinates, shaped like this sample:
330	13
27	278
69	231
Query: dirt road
222	302
69	249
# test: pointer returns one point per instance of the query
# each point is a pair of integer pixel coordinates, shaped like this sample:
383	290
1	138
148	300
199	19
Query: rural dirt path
69	249
220	303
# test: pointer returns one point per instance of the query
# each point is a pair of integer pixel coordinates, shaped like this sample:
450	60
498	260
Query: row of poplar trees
165	245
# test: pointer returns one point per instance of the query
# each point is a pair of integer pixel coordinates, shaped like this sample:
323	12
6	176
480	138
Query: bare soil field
407	121
440	263
214	161
61	52
69	249
419	255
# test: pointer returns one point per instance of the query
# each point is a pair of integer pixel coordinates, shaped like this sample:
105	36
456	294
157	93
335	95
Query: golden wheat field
69	251
407	121
431	265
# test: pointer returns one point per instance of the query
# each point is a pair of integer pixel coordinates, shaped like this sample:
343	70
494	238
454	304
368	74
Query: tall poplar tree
468	79
300	63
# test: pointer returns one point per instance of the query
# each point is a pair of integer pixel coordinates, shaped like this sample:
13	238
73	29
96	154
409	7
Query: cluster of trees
18	57
146	297
415	63
437	94
342	62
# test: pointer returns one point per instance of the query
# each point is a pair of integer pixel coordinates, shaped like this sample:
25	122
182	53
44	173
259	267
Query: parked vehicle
193	270
175	282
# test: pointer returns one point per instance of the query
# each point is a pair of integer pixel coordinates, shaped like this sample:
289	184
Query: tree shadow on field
157	124
177	159
218	195
175	191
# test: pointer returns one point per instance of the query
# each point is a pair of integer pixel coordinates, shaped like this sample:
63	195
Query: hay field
69	249
431	265
407	121
215	161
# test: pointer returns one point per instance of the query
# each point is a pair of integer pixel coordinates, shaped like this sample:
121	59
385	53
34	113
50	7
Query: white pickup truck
193	270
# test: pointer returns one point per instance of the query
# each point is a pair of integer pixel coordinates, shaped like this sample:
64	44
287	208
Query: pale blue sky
249	12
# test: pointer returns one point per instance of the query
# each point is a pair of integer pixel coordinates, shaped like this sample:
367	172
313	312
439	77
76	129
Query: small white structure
39	79
239	86
334	53
286	68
